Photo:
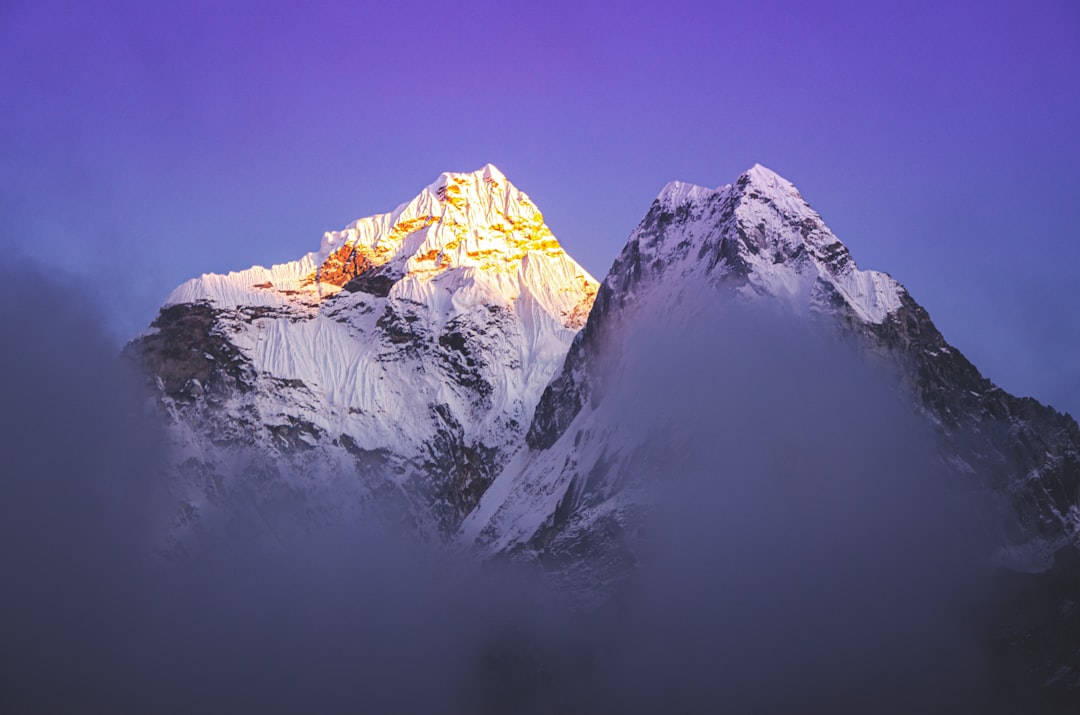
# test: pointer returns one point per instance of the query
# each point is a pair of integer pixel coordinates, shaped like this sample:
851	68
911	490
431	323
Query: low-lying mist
805	554
807	551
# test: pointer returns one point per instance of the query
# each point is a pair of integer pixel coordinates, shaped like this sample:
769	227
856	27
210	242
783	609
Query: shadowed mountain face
744	413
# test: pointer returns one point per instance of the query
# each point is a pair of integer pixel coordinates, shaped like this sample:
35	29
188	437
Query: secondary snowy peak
755	240
761	233
697	253
473	231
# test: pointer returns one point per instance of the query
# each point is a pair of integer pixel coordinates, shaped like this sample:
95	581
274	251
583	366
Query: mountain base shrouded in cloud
404	475
770	577
758	243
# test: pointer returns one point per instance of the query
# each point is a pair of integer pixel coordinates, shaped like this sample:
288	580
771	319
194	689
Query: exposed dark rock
294	433
345	264
190	355
453	340
1026	451
465	356
558	406
374	282
398	328
460	472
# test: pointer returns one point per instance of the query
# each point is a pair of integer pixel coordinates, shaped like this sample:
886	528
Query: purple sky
143	143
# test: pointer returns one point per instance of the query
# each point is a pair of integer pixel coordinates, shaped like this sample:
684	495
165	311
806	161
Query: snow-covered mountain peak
761	233
696	252
410	350
480	195
466	236
765	180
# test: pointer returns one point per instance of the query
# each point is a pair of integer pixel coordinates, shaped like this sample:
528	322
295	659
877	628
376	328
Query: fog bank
804	555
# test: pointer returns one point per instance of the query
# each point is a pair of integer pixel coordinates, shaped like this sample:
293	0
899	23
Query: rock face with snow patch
400	364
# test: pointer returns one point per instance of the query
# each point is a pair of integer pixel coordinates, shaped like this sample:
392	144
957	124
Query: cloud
803	556
807	551
346	618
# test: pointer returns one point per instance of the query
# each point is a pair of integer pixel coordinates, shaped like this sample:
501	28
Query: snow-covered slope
757	242
404	358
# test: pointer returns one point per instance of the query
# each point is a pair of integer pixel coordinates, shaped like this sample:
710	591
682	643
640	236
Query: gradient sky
143	143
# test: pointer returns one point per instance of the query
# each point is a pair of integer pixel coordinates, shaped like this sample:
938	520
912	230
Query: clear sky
143	143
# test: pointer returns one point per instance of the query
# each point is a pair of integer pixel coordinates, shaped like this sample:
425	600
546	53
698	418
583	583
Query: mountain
420	354
605	430
759	242
400	363
449	367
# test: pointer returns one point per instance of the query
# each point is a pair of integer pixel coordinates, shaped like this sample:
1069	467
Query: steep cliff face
401	363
